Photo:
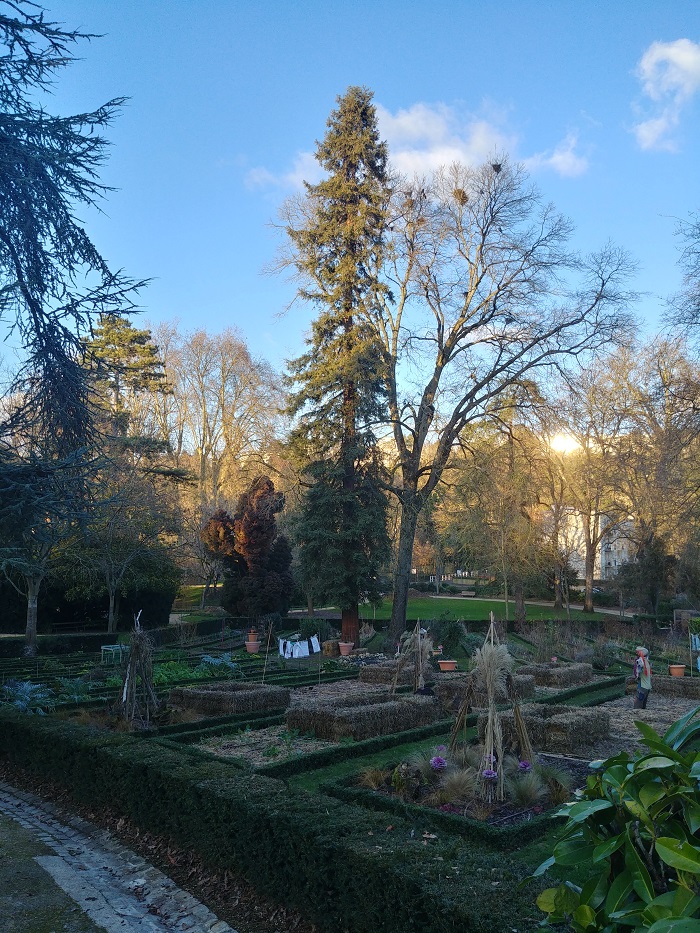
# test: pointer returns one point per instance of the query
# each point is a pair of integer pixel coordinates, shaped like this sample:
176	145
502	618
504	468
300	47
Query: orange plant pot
345	648
252	647
447	665
676	670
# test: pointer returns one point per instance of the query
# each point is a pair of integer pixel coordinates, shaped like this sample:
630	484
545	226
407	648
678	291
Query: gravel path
117	889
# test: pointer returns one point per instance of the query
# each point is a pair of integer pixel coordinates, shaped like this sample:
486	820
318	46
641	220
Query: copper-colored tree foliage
257	559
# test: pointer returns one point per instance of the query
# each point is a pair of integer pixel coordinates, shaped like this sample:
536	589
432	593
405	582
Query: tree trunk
33	585
519	599
351	625
310	604
402	574
589	570
112	617
558	588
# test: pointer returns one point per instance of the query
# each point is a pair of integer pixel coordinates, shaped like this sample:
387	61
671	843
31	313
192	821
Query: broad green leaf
676	734
637	810
651	793
654	761
678	854
685	903
584	916
619	892
559	901
675	925
541	869
695	770
594	890
616	776
641	879
581	811
573	851
691	812
606	849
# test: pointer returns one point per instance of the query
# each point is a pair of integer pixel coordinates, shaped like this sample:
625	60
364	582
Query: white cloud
670	77
563	159
424	137
304	168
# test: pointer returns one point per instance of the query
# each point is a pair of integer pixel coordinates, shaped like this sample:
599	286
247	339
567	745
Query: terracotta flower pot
252	647
676	670
446	665
345	648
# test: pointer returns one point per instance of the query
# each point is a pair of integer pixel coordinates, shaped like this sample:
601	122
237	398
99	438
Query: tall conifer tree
337	247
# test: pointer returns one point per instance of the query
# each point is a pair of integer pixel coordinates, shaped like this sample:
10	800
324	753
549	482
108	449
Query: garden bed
219	699
451	690
553	728
362	717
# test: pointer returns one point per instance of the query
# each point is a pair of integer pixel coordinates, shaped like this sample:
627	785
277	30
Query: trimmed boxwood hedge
340	864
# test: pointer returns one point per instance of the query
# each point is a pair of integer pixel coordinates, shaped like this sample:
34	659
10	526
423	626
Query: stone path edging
117	889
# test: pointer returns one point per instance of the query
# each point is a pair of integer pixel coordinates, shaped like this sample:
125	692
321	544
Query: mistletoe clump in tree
336	244
256	558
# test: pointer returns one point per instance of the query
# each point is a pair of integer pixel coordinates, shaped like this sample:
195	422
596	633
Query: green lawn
469	610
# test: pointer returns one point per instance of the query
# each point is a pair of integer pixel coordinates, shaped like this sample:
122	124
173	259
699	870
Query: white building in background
615	547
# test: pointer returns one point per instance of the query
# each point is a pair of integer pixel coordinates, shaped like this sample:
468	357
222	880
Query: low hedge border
339	863
193	734
593	689
332	756
505	838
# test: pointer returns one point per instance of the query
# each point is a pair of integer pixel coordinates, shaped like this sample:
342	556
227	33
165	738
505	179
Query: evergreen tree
125	363
337	247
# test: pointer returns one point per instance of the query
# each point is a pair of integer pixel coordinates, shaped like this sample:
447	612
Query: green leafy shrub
26	697
635	826
220	665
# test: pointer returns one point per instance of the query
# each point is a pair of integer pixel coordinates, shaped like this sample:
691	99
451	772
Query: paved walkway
117	889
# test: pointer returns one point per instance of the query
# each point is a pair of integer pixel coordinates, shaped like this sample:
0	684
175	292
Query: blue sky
227	97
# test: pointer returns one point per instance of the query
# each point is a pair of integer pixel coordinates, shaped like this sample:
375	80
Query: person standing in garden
642	674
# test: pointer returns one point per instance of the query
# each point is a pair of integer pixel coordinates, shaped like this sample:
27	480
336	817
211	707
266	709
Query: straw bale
555	674
685	687
363	720
554	728
385	673
222	699
450	690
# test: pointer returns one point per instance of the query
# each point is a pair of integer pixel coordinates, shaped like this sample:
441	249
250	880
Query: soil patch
263	746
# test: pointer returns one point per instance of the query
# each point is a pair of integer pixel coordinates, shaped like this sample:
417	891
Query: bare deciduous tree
486	291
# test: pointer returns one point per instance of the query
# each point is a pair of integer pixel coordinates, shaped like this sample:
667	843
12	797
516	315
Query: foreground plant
635	827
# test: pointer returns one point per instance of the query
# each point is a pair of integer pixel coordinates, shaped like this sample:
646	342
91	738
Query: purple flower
524	767
438	763
441	748
489	775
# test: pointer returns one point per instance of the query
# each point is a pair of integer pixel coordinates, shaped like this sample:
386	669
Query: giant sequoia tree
336	235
